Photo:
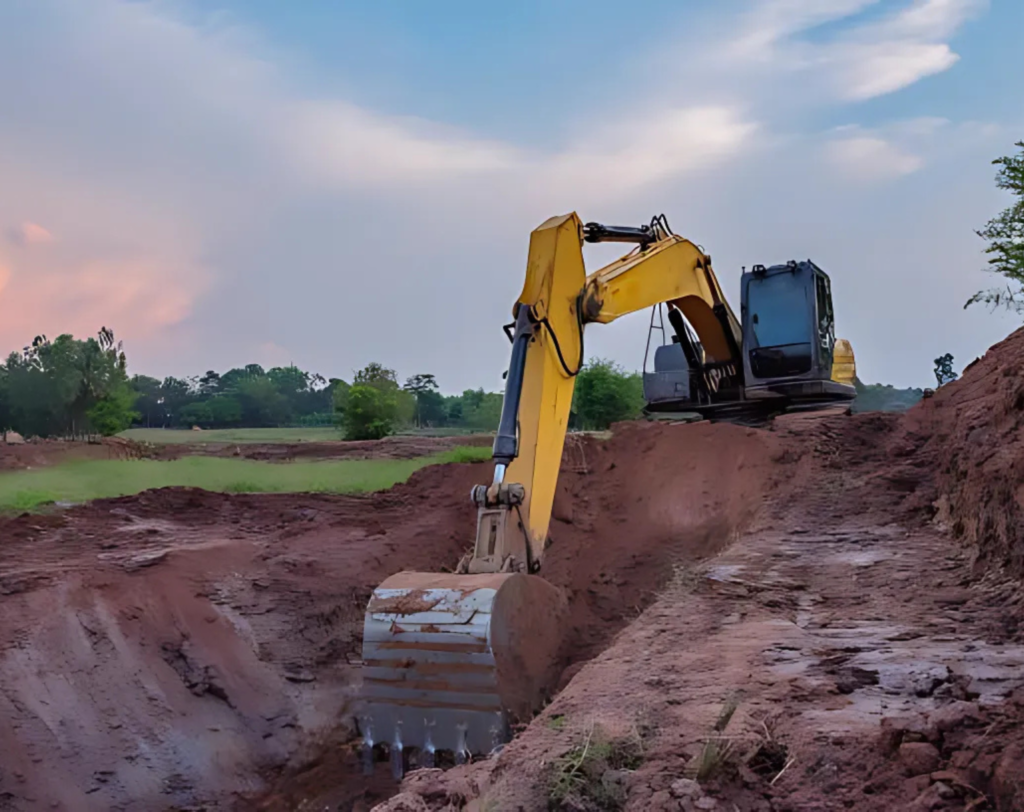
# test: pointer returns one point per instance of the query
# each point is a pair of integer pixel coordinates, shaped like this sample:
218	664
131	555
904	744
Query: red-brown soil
38	453
404	447
833	581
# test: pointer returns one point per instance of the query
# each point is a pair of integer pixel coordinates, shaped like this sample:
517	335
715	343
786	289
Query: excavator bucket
450	662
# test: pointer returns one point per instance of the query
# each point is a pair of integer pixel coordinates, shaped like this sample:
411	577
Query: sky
328	183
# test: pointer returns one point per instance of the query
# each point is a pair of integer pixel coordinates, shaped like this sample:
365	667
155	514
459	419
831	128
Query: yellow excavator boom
561	298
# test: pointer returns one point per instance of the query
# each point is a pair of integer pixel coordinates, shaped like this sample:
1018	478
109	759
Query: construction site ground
820	615
21	455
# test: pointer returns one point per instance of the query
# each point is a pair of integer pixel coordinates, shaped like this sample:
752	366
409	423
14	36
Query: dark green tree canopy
944	369
67	388
606	394
1004	234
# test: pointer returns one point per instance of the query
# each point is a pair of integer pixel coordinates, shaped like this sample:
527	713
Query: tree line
78	388
375	405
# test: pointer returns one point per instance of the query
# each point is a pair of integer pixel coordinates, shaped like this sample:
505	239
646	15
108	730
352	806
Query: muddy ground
824	615
38	453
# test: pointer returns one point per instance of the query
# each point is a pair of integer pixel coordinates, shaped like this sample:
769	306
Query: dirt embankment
401	447
39	453
972	435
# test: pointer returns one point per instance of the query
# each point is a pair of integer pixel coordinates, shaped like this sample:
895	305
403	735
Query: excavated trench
183	647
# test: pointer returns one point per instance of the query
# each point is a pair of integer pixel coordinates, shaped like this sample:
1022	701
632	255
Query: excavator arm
558	299
450	660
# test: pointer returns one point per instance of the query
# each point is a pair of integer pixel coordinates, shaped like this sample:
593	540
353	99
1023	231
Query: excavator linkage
451	661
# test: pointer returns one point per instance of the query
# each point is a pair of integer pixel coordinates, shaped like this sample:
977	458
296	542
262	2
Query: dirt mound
632	509
394	448
39	453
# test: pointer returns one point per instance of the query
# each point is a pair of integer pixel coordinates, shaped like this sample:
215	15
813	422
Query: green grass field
97	479
173	436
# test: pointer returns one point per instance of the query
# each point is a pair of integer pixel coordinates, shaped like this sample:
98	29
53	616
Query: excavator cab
789	335
790	358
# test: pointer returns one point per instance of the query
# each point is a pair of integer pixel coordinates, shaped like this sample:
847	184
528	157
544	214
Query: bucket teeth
427	755
429	675
366	751
450	660
397	753
462	754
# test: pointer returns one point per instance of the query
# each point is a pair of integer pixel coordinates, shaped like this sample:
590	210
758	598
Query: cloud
29	234
864	72
864	59
866	155
338	142
869	158
138	298
649	149
771	22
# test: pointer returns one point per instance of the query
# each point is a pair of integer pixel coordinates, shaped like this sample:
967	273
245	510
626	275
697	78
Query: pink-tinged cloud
29	233
137	299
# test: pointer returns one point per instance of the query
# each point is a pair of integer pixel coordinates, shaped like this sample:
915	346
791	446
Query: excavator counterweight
452	660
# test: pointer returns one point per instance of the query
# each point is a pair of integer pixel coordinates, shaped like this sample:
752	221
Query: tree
371	404
69	388
375	374
481	410
5	402
876	397
148	401
370	413
209	384
605	394
428	399
944	369
262	404
115	411
339	398
175	394
196	413
430	409
1005	236
225	411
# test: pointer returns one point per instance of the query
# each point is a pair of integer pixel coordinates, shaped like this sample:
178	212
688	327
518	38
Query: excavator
451	661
